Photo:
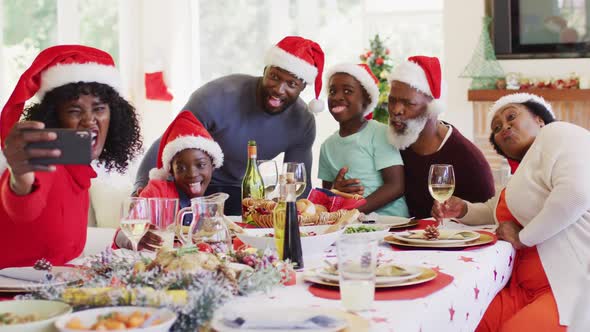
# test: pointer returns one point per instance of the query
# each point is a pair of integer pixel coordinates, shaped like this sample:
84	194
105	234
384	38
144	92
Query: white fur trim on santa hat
3	162
519	98
59	75
362	76
187	142
412	74
278	57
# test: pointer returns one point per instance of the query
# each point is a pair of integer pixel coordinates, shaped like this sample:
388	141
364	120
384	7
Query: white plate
311	245
392	221
414	271
49	311
268	312
444	232
64	275
88	317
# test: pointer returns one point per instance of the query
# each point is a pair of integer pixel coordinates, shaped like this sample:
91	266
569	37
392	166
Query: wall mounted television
524	29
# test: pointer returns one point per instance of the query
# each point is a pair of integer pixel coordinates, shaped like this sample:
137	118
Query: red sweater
473	176
160	188
50	222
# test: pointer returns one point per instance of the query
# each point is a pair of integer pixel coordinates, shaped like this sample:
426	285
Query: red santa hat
185	132
52	68
362	73
423	73
302	57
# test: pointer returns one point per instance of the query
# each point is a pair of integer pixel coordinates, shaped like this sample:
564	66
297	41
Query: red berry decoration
204	247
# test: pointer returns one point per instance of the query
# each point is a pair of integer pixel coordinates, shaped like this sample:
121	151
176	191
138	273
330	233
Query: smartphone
75	146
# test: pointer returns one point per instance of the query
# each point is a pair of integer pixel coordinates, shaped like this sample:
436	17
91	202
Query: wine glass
270	175
295	173
135	219
441	183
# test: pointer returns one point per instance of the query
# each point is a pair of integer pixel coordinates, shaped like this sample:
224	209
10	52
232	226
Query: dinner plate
402	236
426	275
410	223
484	238
414	271
62	275
268	312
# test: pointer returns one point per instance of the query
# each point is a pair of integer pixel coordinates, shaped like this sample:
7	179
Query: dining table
467	280
476	276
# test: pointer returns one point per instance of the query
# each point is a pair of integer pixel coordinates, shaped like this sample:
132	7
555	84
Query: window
27	27
99	25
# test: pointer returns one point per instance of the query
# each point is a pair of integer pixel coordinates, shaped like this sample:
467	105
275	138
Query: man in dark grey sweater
267	109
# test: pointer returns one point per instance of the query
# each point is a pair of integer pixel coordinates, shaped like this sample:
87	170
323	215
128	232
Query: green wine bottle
252	185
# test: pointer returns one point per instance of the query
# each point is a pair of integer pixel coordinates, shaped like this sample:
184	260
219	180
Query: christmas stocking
155	87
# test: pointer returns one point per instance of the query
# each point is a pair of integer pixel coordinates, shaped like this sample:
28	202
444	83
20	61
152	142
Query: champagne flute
135	219
295	173
270	175
441	183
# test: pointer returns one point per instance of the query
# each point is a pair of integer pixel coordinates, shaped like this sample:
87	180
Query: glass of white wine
270	175
295	173
135	219
441	182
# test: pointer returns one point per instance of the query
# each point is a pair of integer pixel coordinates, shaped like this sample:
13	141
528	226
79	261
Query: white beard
411	133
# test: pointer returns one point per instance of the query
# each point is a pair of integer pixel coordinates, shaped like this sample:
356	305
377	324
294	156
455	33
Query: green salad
360	229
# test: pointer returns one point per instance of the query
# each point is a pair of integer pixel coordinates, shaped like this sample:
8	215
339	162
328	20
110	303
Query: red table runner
397	293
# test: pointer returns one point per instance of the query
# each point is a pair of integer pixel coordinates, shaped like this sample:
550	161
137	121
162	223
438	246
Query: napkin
23	273
264	321
444	235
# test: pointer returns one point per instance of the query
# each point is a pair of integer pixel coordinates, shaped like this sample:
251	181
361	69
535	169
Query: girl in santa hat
359	150
544	212
186	160
44	209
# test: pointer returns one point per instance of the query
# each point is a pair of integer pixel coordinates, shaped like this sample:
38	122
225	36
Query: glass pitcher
207	225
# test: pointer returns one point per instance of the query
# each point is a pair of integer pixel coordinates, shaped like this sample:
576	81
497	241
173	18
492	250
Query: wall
462	27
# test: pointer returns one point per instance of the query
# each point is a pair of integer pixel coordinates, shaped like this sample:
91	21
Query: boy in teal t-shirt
361	145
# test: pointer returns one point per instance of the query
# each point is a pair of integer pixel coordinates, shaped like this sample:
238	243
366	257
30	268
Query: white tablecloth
478	275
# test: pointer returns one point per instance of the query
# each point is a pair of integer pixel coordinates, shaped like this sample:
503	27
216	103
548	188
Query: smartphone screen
75	146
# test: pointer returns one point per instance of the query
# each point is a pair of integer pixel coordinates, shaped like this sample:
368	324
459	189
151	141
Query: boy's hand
350	186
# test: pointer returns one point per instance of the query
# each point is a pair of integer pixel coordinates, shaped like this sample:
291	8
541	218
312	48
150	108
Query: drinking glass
270	175
295	173
357	260
135	219
441	183
163	213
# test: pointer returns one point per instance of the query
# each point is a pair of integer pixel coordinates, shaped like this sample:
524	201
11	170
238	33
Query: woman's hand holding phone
22	171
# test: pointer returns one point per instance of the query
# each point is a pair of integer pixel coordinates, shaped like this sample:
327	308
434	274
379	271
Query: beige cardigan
549	195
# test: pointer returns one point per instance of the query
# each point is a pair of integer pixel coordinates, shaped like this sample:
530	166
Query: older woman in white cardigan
544	212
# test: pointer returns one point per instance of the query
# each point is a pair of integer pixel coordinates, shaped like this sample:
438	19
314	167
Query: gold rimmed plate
484	238
426	275
68	275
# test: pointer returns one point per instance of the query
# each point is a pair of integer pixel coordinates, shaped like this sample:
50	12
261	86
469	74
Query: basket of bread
309	214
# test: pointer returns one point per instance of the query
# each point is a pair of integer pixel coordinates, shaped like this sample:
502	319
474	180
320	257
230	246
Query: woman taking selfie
544	212
44	208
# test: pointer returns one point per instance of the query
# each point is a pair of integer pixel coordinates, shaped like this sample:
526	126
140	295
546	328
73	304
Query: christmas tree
377	58
483	67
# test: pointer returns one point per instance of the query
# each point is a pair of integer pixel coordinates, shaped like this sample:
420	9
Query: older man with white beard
414	105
